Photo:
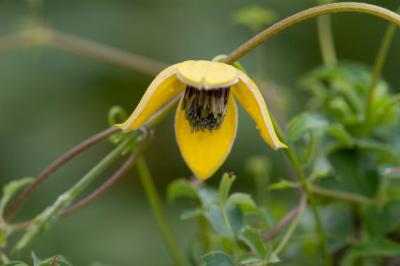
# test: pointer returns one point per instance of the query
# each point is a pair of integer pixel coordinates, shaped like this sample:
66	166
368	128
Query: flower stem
46	218
294	161
340	195
287	218
155	204
104	53
307	14
377	71
293	225
326	40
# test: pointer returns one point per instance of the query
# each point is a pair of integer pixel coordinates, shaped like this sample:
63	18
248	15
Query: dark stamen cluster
205	109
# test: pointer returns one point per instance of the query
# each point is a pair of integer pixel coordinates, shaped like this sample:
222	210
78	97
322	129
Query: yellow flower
206	118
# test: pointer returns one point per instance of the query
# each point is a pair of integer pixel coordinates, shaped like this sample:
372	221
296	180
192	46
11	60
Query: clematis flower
206	118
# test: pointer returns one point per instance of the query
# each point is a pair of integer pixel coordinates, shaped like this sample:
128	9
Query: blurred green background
50	100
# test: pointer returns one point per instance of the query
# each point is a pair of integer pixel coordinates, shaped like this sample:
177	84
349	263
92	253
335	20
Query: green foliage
52	261
12	188
234	218
254	17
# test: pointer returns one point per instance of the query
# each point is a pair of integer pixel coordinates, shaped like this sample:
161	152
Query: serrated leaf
303	123
225	186
181	188
11	188
216	258
244	201
254	241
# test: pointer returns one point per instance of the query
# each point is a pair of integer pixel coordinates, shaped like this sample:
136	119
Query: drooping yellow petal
204	151
249	96
207	74
164	87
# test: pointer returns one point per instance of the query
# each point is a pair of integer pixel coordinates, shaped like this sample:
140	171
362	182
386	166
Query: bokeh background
50	100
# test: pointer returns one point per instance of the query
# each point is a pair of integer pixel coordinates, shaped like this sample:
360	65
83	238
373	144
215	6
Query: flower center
205	109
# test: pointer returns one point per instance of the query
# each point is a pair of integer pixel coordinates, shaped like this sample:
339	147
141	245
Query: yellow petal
204	151
164	87
207	74
249	96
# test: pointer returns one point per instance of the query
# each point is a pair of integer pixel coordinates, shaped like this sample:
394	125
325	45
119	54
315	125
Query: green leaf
61	261
282	184
381	221
385	152
35	259
16	263
380	248
251	261
254	241
244	201
225	186
215	217
216	258
236	219
273	258
191	213
11	188
341	135
303	123
181	188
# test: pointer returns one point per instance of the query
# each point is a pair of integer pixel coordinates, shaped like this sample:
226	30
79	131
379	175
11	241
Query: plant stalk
308	14
155	204
45	219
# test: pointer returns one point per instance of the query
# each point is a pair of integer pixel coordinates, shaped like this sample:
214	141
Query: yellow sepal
203	151
250	97
164	88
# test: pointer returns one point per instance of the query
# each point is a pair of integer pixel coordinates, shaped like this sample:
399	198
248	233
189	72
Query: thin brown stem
55	166
308	14
94	195
287	218
104	53
103	188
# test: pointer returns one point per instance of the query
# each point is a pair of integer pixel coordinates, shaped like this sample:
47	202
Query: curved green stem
351	197
326	40
155	204
294	161
378	66
293	225
47	217
307	14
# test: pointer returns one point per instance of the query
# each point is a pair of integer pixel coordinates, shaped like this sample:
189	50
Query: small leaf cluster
232	224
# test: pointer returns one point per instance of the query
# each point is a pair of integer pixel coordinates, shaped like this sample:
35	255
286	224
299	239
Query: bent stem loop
54	166
308	14
46	218
155	204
